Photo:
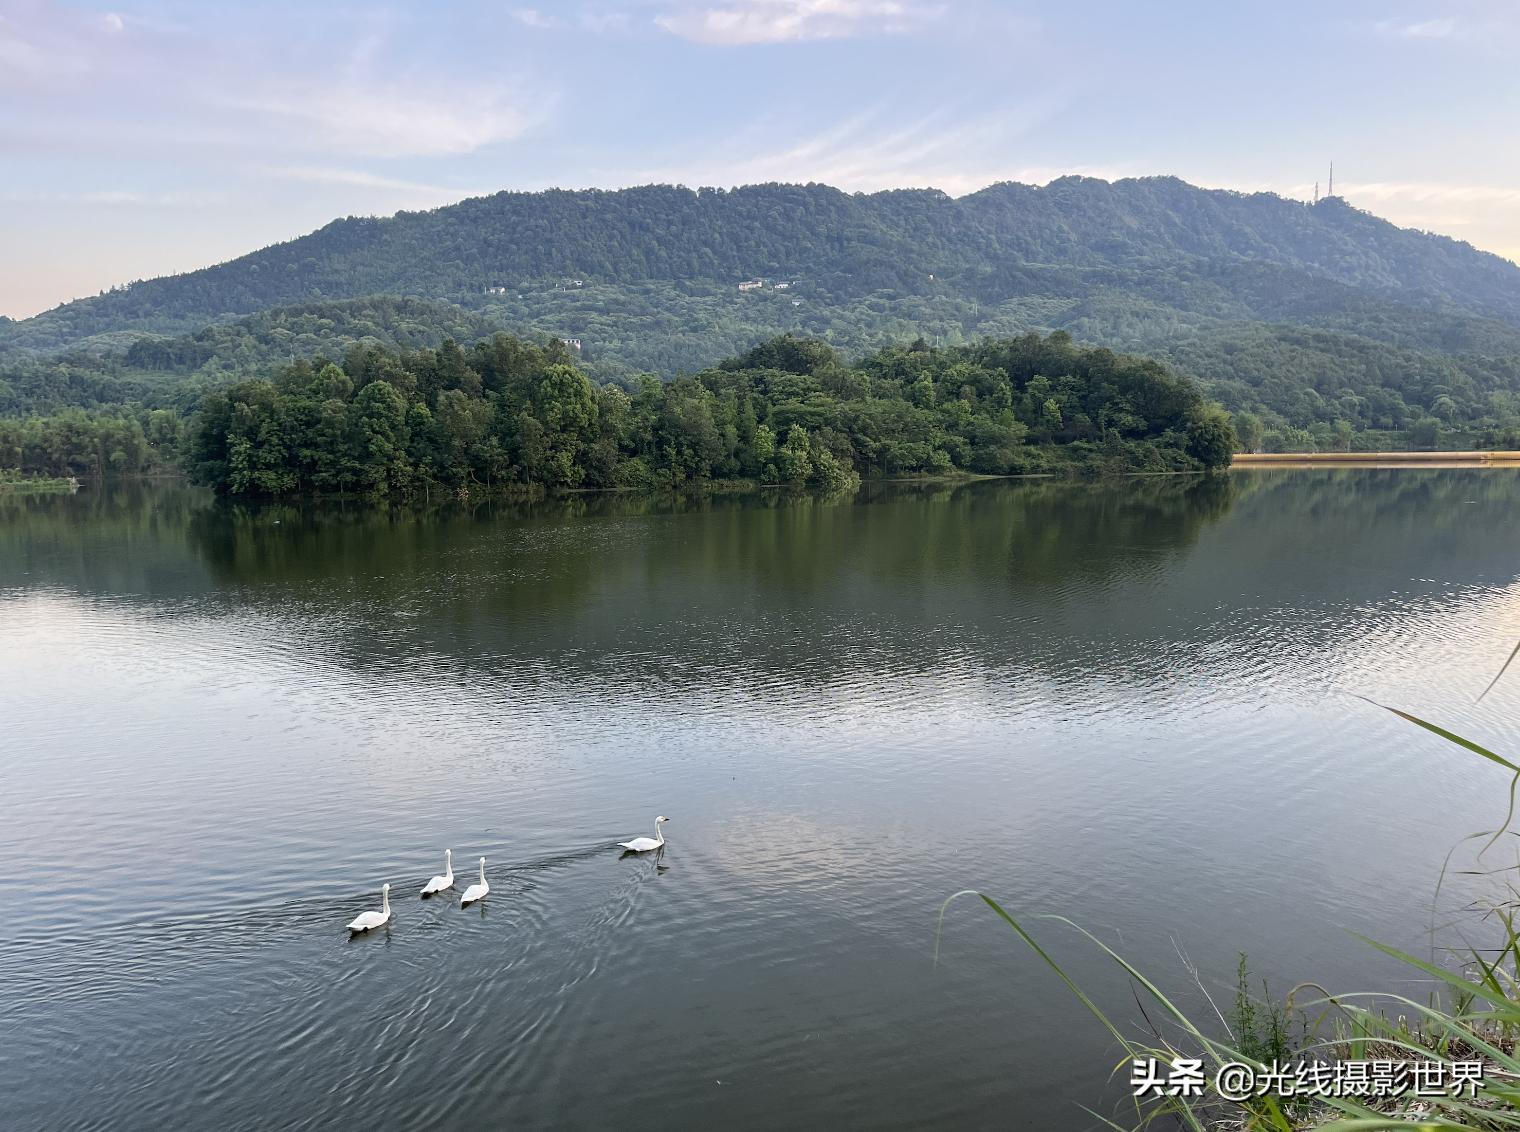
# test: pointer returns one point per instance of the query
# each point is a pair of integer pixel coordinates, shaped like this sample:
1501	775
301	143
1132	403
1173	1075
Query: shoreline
1464	459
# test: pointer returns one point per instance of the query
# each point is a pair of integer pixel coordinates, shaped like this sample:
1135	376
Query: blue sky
138	139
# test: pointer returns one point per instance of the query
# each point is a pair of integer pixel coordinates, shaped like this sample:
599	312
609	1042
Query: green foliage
789	411
1297	314
77	442
1211	438
1294	378
331	328
1087	249
1260	1027
177	372
1248	431
1474	1014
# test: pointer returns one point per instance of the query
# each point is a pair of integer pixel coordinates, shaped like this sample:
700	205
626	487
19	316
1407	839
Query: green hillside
160	372
658	269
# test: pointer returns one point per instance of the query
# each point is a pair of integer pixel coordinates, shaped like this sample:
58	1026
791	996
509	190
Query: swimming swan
645	844
438	884
476	891
367	920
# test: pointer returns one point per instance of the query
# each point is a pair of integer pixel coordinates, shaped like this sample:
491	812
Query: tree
1050	417
564	404
381	437
1425	433
794	459
513	411
1211	438
1248	431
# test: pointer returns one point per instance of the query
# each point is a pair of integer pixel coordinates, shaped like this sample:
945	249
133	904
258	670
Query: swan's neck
482	872
659	833
385	900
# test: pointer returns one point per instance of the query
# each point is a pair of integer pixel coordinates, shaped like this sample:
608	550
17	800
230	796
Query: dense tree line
81	442
505	412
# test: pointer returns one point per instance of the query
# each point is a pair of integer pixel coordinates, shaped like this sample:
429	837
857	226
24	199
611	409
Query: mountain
1207	254
1227	287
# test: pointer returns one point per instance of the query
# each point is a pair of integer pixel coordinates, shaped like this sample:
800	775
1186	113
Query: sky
142	139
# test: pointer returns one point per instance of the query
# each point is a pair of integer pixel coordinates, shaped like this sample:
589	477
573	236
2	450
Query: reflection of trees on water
125	537
710	582
699	587
798	541
1355	503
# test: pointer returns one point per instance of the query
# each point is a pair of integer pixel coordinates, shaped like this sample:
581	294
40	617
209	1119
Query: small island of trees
505	413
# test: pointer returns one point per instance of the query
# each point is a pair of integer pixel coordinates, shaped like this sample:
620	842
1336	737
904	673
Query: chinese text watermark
1238	1081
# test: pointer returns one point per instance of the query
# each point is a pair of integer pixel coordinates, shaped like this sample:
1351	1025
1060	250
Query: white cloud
784	21
598	23
1434	192
881	149
391	192
1430	29
385	121
607	22
101	82
357	177
536	19
178	199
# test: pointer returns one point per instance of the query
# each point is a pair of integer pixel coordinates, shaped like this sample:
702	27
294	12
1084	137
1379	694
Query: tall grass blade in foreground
1361	1028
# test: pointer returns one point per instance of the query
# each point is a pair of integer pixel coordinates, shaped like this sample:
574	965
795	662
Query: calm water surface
224	728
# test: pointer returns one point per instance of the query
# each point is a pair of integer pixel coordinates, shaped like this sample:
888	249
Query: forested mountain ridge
1007	259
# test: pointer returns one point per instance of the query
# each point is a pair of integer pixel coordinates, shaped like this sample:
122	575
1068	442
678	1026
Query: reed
1473	1013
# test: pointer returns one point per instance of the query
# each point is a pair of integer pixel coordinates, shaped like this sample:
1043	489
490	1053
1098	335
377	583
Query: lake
1132	704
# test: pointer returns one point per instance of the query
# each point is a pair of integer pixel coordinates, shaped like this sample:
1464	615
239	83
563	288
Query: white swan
476	891
645	844
367	920
438	884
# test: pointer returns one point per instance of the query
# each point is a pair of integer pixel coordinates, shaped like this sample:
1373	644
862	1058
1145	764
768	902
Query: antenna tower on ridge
1330	192
1316	192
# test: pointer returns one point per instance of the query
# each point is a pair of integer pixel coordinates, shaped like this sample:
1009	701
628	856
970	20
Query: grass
11	480
1472	1014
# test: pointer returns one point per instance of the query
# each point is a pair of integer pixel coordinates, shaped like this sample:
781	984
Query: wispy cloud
595	22
950	149
1434	192
393	121
783	21
392	192
1428	29
533	18
364	179
182	198
112	79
